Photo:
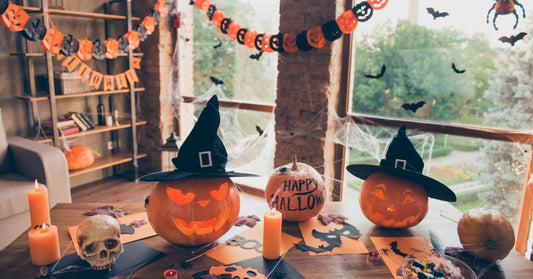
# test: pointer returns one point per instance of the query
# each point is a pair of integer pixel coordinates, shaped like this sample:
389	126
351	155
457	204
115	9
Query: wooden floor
117	189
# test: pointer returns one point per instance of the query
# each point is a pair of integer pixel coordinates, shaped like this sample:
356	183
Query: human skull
99	240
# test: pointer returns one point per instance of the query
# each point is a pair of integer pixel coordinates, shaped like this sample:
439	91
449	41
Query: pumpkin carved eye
222	192
380	192
178	197
408	200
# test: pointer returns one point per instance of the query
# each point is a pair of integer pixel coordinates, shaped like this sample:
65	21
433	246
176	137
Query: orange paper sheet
142	232
348	246
406	245
228	254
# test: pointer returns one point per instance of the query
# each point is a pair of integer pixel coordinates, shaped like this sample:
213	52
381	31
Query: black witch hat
403	161
202	154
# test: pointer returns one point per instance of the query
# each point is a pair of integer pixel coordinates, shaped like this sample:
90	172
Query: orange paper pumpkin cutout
276	42
85	51
393	202
347	22
14	18
249	39
218	16
202	5
265	45
193	211
53	41
315	38
149	23
160	6
112	50
133	39
233	29
378	4
289	42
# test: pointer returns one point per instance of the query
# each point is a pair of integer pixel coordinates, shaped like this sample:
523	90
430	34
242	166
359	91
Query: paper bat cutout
383	69
413	106
513	39
216	81
457	71
256	56
436	14
125	229
259	130
218	45
394	248
333	238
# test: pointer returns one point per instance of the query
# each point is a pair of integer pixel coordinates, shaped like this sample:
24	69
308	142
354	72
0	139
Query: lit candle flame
36	184
43	226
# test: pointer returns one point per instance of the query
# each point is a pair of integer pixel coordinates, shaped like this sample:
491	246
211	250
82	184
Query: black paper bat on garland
437	14
216	81
333	238
256	56
457	71
413	106
378	76
513	39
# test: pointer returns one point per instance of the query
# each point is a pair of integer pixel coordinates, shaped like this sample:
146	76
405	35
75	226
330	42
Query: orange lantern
315	38
289	42
112	50
202	5
218	16
14	18
378	4
133	39
347	22
149	23
233	28
52	41
249	39
85	50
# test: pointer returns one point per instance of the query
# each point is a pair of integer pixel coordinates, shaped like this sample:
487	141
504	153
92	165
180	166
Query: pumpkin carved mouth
395	223
202	227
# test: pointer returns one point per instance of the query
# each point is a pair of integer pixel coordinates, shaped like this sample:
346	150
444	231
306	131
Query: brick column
308	89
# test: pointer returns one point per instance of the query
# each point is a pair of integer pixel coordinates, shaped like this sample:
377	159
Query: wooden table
15	261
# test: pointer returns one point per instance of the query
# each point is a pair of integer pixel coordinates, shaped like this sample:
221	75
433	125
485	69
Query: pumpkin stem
294	164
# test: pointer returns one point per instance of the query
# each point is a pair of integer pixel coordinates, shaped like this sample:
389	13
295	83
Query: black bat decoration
513	39
218	45
259	130
413	106
436	14
216	81
383	69
333	238
256	56
457	71
394	248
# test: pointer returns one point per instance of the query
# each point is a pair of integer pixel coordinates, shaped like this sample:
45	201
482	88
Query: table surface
440	224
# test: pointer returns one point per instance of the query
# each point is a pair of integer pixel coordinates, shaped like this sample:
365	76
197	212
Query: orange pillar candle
44	245
272	235
39	210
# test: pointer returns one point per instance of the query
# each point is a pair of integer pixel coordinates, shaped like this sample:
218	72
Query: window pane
423	59
217	56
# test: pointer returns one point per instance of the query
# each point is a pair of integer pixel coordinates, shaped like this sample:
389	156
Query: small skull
99	240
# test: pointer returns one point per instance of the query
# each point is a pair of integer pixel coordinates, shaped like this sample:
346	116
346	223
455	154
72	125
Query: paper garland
316	37
14	18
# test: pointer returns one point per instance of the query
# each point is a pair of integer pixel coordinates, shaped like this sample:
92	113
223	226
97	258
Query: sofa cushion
14	194
6	164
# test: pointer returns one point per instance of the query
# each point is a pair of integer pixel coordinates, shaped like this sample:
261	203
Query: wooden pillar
307	99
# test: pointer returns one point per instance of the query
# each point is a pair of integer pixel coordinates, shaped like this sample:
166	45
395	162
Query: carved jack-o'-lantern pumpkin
289	42
85	49
14	18
193	211
393	202
378	4
297	191
53	41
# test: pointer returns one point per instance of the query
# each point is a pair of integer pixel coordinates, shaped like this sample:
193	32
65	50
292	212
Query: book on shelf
60	123
69	131
80	120
86	119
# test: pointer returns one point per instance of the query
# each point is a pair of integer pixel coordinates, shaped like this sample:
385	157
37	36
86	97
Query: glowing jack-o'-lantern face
193	211
393	202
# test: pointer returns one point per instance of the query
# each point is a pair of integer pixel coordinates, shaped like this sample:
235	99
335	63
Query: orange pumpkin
53	41
249	39
112	48
265	44
393	202
79	157
296	190
202	5
85	50
133	39
347	22
315	38
193	211
14	18
289	42
486	234
218	16
378	4
233	28
149	23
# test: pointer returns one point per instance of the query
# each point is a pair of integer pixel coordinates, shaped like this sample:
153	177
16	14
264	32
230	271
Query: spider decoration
505	7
